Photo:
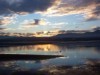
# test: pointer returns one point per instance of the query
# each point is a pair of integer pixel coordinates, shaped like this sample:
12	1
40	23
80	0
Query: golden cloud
91	8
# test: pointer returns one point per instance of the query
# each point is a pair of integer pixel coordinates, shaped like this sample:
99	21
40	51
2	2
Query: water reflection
75	54
31	49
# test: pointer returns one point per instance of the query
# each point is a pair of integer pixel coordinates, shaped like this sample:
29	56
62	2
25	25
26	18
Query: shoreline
84	43
6	57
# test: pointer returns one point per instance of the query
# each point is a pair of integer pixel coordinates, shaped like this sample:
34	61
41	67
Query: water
74	54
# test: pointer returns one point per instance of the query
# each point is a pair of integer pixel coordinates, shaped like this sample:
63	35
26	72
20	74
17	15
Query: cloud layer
34	22
90	8
8	8
1	29
23	6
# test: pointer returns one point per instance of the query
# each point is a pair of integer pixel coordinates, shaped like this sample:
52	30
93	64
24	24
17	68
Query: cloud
2	29
35	22
57	26
95	28
90	8
24	6
93	18
7	20
28	24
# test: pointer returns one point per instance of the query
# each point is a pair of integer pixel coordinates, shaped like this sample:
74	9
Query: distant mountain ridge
87	36
80	35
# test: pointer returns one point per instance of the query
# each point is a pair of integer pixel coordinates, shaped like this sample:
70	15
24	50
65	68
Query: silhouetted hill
79	36
87	36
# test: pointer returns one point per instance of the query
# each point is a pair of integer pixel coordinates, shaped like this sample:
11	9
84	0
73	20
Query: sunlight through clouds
48	15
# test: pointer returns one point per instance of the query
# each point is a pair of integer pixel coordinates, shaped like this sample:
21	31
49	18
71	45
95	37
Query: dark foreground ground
90	68
6	57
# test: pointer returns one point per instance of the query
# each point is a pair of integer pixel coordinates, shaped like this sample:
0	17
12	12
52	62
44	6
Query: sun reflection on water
29	49
46	47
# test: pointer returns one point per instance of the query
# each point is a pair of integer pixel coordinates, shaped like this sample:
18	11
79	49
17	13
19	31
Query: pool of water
74	54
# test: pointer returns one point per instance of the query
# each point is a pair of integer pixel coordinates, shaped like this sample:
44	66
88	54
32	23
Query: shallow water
74	54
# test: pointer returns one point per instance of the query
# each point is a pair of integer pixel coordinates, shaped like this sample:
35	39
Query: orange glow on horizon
45	34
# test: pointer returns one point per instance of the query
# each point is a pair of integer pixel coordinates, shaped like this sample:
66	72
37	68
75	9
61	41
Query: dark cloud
97	28
36	21
92	19
97	10
2	29
31	22
4	7
95	14
39	22
19	6
82	3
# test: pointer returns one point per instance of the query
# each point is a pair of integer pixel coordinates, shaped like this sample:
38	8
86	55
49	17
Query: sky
29	16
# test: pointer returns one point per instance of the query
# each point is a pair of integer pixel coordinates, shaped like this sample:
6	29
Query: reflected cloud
49	49
56	48
46	47
14	66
